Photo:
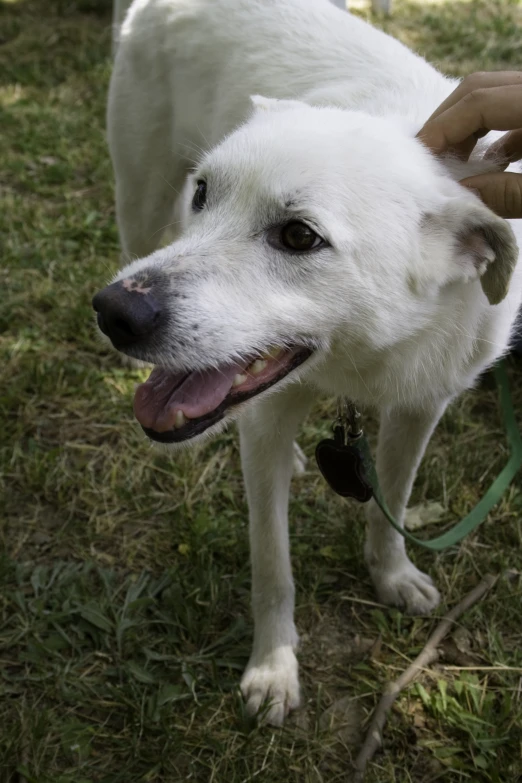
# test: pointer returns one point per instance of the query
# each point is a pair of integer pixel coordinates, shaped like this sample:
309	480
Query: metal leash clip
348	417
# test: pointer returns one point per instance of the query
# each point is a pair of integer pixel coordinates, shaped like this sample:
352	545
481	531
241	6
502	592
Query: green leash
492	496
358	450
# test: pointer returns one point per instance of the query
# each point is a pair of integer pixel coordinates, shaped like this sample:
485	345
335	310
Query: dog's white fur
397	306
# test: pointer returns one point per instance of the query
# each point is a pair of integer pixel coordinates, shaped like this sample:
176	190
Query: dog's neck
420	369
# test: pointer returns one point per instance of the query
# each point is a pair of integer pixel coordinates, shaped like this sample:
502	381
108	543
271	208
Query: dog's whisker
192	147
168	225
170	186
209	146
203	151
359	374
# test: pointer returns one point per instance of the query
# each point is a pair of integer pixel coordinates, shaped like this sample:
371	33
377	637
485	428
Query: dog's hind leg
403	437
267	450
149	173
119	9
146	201
145	208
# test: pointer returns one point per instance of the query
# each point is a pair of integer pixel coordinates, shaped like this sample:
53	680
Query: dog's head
305	229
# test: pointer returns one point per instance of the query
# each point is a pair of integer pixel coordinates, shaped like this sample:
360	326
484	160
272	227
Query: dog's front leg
403	437
267	456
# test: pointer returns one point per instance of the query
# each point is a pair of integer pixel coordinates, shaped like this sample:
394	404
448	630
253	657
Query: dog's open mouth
173	407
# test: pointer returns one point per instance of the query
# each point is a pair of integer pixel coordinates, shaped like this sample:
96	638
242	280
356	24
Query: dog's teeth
273	353
257	366
180	419
239	379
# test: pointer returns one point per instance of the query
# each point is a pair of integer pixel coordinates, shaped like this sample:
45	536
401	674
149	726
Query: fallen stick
429	654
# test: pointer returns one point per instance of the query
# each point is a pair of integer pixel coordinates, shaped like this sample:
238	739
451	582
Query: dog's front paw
272	678
406	587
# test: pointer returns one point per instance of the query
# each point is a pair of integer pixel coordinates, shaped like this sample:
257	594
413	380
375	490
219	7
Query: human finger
501	192
492	108
478	81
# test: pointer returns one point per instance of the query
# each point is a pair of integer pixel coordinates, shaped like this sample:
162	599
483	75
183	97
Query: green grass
124	602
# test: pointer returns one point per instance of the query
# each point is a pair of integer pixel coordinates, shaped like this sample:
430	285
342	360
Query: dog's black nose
127	313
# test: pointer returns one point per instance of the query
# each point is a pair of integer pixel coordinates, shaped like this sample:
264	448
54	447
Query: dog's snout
127	314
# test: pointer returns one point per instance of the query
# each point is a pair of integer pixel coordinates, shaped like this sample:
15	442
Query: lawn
124	596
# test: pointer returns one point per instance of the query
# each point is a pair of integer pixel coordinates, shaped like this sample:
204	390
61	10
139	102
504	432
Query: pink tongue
157	400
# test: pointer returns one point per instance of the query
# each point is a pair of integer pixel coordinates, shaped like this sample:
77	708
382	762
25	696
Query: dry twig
428	655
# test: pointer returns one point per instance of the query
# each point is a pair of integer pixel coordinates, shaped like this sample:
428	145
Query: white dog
319	249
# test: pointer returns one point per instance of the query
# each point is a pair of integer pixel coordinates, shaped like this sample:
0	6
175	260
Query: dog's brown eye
200	196
299	237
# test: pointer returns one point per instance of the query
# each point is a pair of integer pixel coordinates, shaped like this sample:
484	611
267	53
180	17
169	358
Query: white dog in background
319	249
378	6
120	7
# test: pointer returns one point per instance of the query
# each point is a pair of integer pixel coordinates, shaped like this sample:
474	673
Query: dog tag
342	466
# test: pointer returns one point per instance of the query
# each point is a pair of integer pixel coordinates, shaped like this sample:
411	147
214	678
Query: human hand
483	102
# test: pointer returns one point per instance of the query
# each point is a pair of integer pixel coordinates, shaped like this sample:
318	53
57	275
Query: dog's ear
483	244
274	104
